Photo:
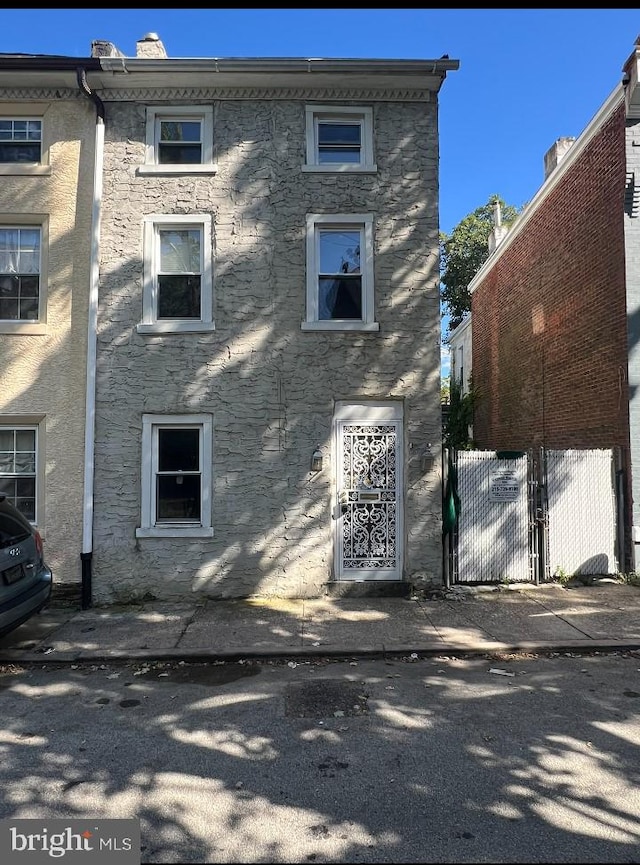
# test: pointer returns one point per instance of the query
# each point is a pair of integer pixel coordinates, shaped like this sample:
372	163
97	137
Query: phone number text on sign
504	486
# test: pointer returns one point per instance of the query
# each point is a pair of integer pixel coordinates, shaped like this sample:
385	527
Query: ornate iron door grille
369	497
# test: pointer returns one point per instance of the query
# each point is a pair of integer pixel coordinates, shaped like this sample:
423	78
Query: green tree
464	251
444	391
459	417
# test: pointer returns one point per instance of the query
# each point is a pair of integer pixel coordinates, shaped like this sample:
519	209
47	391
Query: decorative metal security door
369	510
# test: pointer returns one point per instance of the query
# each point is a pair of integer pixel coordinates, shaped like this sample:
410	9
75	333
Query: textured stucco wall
270	387
43	375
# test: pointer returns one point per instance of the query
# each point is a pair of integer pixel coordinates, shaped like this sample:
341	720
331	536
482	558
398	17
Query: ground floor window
176	476
18	467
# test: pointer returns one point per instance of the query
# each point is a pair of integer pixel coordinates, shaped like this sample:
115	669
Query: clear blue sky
526	76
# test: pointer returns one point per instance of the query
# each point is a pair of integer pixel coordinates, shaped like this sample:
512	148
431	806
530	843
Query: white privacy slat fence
493	523
581	512
559	503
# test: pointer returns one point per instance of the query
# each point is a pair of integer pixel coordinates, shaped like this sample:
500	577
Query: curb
543	647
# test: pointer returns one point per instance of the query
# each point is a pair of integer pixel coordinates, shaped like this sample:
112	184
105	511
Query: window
176	476
23	149
18	467
19	273
340	272
177	293
20	139
179	141
339	139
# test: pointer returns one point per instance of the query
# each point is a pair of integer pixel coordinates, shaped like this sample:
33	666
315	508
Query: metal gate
493	538
530	516
581	512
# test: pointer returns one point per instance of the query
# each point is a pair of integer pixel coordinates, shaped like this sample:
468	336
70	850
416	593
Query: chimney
100	48
499	231
150	46
555	154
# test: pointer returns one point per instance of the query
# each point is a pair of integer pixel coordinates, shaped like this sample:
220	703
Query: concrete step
368	589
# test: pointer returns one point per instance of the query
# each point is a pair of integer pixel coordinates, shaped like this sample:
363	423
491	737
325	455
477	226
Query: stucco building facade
268	334
219	320
47	151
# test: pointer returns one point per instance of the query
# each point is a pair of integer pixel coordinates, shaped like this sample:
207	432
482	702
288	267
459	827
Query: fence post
542	515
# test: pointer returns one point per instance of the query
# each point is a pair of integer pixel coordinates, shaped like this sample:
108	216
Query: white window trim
150	323
34	422
364	221
31	111
325	112
155	114
31	220
150	423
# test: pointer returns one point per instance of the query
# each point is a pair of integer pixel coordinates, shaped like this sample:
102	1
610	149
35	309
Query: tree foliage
459	418
464	251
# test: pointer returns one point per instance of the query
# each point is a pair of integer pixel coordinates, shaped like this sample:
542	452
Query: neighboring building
459	342
556	307
268	338
47	149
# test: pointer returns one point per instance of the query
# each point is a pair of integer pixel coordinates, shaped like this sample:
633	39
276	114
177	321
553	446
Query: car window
12	529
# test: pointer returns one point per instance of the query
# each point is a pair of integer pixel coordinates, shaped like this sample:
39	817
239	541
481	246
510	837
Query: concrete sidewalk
604	616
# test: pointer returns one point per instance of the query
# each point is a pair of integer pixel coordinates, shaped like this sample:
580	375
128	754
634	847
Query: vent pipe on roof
499	231
150	46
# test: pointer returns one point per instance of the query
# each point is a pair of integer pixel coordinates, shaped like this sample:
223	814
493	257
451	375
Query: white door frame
368	413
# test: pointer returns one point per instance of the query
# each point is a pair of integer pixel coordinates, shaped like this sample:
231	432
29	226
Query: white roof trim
458	329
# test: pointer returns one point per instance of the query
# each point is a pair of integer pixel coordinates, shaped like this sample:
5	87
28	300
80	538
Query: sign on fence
504	485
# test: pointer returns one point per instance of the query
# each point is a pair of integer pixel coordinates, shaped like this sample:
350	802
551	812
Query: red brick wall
549	320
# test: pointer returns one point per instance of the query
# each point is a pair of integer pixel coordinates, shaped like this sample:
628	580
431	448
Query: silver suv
25	579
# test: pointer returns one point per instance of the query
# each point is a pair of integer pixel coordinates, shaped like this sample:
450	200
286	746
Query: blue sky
526	76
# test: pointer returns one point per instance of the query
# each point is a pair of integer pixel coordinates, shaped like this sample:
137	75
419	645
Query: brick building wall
632	257
549	319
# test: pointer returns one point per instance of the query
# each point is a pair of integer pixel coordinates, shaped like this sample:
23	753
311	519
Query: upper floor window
177	293
19	273
20	139
460	366
339	138
340	272
179	140
24	149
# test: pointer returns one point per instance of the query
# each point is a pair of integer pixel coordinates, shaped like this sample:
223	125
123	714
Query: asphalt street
498	758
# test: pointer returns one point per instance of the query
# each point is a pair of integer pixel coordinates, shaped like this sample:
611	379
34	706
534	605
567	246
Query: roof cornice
324	93
46	62
146	79
265	76
277	64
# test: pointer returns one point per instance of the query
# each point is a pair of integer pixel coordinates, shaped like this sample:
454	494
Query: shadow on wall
270	387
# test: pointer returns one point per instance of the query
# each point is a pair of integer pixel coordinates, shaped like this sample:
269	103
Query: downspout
92	338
